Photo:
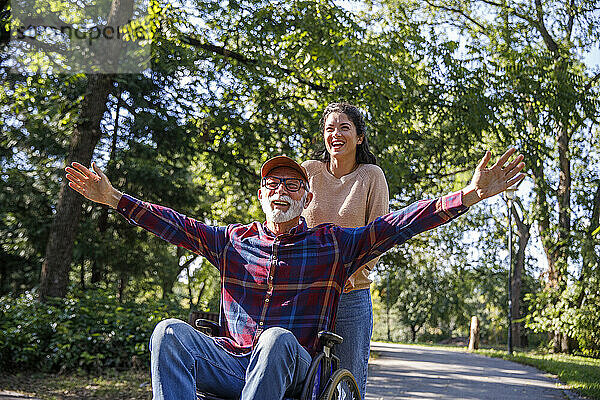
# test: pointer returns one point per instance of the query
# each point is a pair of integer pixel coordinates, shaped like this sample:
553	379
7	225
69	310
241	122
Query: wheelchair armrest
329	339
206	326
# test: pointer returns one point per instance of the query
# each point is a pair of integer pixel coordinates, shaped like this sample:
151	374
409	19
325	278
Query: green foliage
416	292
88	330
554	311
35	120
540	97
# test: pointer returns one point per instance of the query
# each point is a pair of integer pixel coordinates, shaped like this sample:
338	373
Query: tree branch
186	263
438	175
493	3
522	226
571	20
592	81
222	51
550	43
458	11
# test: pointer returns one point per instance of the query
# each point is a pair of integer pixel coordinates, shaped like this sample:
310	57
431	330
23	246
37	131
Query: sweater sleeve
378	199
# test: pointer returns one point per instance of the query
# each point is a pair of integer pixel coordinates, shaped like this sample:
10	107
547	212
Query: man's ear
309	198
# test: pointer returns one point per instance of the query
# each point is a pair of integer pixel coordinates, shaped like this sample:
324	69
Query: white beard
279	216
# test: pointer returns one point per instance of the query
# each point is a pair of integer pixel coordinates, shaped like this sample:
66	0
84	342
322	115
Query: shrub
88	330
551	311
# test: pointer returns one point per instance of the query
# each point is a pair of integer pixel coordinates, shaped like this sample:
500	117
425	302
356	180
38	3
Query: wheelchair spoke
342	386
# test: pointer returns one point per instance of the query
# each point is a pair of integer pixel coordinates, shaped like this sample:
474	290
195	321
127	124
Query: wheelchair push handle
327	340
207	326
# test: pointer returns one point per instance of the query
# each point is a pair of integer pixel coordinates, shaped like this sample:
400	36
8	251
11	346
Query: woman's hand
94	186
488	182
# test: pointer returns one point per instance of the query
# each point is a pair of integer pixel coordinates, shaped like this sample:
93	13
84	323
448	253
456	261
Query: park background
229	84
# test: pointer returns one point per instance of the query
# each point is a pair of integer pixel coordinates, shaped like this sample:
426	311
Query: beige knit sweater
351	201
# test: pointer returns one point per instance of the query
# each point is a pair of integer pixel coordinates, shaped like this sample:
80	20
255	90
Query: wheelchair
324	380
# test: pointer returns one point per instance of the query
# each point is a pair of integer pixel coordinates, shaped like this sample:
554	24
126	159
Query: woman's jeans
354	322
183	360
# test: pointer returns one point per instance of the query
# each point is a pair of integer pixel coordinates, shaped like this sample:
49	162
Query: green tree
544	99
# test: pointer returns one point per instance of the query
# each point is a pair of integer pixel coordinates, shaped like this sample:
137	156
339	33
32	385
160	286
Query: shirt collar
301	227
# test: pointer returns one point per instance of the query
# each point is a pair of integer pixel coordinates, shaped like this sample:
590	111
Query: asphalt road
416	372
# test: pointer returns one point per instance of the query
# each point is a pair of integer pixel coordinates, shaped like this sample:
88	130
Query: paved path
415	372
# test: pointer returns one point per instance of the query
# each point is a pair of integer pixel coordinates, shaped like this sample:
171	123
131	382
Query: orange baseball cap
282	161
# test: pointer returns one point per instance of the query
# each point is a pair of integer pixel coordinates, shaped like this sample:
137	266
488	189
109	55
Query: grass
582	374
108	385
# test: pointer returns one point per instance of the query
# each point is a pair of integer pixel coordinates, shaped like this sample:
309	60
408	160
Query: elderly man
280	281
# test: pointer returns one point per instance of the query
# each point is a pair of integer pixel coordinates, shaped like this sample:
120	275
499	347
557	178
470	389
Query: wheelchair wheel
341	386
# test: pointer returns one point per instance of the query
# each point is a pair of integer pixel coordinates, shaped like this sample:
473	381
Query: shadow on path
415	372
10	395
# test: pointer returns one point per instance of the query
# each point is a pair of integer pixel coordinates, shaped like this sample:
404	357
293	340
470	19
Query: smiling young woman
349	190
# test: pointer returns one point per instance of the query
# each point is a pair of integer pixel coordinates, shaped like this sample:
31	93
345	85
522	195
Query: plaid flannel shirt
293	280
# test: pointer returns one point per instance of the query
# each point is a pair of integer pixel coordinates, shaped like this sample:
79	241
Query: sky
592	59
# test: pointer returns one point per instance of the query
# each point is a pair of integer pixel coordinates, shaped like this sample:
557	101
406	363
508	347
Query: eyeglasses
291	184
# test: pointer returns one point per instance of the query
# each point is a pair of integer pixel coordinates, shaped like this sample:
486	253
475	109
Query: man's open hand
94	186
488	182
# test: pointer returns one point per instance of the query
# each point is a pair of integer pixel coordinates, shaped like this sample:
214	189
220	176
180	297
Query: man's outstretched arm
164	222
94	186
364	243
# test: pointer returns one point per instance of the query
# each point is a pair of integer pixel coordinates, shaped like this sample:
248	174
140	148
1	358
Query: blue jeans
354	322
183	360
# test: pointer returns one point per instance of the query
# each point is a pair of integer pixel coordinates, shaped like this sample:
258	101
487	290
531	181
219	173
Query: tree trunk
57	262
413	333
200	293
543	219
474	334
564	202
54	279
189	285
82	276
168	282
523	234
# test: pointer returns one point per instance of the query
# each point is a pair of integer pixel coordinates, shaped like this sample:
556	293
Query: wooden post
474	336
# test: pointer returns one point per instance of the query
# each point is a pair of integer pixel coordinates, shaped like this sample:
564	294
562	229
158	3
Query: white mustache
281	197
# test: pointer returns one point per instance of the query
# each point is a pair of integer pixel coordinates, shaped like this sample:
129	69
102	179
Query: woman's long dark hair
363	153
